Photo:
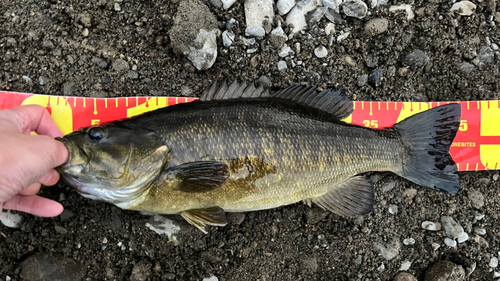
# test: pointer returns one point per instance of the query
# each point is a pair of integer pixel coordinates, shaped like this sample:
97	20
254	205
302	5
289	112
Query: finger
50	178
32	189
55	153
35	118
35	205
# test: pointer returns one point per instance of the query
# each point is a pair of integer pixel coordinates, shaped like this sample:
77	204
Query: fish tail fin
427	137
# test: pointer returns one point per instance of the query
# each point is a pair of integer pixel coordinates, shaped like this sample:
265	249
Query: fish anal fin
200	218
354	196
200	176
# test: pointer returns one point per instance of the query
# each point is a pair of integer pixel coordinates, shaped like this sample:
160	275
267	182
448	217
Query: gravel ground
108	48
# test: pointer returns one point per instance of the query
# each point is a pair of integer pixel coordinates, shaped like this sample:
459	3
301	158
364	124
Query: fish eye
96	133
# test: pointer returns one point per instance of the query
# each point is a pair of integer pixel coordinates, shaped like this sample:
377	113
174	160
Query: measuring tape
476	146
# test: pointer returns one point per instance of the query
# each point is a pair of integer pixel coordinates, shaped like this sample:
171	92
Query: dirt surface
128	53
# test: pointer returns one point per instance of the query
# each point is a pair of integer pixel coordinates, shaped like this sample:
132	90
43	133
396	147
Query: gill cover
113	163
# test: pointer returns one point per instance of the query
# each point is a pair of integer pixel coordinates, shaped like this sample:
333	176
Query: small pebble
285	51
462	238
479	230
450	242
404	276
381	268
435	246
211	278
282	65
342	37
255	31
494	47
227	38
409	241
85	32
476	198
495	177
405	266
362	80
493	262
329	28
416	58
355	8
464	8
117	7
376	26
43	80
452	228
321	52
496	274
133	74
393	209
26	79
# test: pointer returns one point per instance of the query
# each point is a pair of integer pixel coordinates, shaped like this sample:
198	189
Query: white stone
405	7
278	32
330	28
464	8
257	11
452	228
450	242
204	57
390	251
316	15
342	37
355	8
297	16
496	274
321	52
333	4
493	262
285	51
409	241
226	4
479	231
255	31
10	219
432	226
393	209
227	38
462	238
282	65
211	278
164	226
284	6
405	266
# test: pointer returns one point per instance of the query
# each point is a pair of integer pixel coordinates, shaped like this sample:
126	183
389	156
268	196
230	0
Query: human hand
28	161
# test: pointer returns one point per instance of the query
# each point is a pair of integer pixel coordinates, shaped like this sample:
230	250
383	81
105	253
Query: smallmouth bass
241	148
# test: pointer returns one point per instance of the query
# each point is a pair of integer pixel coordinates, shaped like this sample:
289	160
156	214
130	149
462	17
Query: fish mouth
74	151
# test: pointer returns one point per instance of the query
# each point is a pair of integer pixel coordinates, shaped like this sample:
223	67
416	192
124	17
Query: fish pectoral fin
202	217
201	176
354	196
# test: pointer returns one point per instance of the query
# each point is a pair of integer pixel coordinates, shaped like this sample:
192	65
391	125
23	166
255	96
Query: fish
244	148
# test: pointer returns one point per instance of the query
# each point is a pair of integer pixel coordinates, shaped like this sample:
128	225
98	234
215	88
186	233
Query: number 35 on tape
476	146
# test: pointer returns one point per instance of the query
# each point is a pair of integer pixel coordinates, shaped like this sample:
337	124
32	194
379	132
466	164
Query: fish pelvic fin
427	137
201	218
352	197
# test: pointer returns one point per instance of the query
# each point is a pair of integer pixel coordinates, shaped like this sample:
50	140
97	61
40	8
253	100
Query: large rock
194	33
45	267
257	12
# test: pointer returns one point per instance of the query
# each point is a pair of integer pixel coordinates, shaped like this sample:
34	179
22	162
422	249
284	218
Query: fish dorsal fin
354	196
202	217
200	176
234	91
332	101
